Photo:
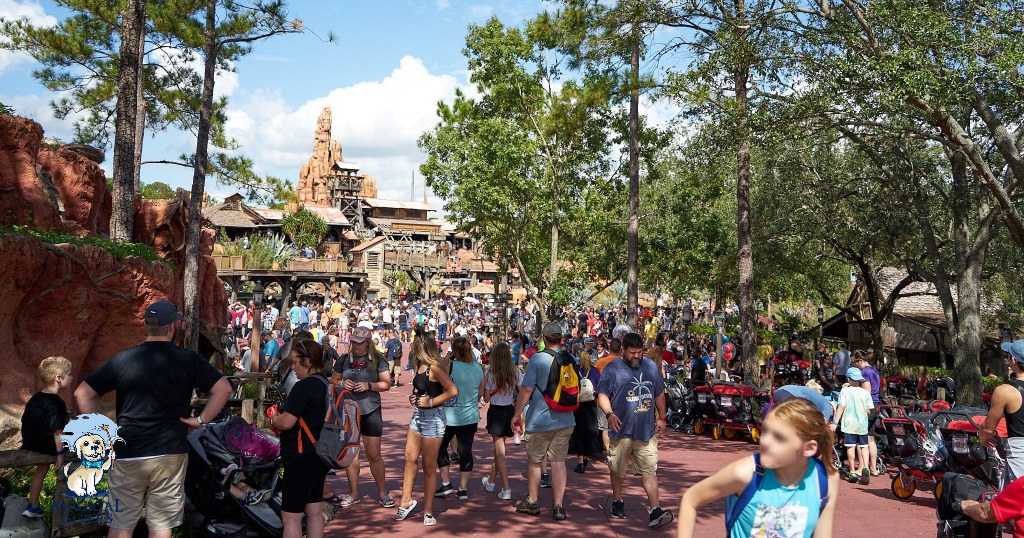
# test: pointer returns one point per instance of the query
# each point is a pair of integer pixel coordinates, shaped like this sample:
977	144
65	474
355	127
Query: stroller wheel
729	433
675	422
698	427
937	492
716	432
903	490
755	435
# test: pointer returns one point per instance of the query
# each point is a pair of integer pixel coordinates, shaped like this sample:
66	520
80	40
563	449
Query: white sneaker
505	495
488	485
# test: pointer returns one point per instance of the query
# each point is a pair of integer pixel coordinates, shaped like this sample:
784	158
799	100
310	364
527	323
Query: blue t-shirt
540	417
632	392
270	350
295	314
467	378
304	315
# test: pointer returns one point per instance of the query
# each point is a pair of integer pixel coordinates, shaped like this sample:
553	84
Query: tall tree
223	41
133	23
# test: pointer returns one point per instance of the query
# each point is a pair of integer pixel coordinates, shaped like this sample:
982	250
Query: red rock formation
312	188
80	302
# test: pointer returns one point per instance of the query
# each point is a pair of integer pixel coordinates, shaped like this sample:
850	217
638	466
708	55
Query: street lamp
1005	335
821	322
257	326
687	318
720	323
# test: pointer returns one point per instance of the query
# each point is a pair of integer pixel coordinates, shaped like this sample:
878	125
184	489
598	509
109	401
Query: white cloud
13	10
377	122
478	12
225	80
443	4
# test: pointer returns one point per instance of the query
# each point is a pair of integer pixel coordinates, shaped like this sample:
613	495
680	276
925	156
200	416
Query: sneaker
545	480
579	468
505	495
853	478
34	512
618	509
524	506
462	494
429	520
659	518
865	476
444	491
559	513
488	485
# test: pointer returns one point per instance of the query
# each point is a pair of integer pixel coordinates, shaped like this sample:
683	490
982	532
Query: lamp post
1005	335
687	318
720	324
257	327
821	322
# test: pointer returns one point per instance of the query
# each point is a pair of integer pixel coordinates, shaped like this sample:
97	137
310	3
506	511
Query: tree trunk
748	316
140	117
967	341
633	242
195	206
133	28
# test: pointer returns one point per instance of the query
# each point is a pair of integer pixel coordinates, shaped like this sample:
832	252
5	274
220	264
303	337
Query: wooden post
254	345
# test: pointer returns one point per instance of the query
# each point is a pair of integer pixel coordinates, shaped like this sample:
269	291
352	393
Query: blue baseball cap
854	374
162	313
1015	349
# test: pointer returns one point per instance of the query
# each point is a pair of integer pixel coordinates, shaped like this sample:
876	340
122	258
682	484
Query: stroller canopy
799	391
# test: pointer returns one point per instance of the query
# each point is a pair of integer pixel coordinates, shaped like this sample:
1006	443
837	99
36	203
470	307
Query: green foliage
157	190
304	227
263	250
6	110
21	483
119	249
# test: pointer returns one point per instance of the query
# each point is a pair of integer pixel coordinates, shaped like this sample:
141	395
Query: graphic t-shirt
154	383
779	511
857	402
632	392
44	414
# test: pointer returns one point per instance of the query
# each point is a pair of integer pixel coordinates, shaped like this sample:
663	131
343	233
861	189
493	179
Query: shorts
853	439
554	444
160	481
429	423
302	483
499	420
643	454
873	420
389	326
395	366
371	424
403	327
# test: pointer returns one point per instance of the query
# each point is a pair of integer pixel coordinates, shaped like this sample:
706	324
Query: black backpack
958	487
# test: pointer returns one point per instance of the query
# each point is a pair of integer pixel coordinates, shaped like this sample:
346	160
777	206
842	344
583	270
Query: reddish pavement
685	459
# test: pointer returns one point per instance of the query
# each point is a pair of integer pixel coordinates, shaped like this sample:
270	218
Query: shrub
120	250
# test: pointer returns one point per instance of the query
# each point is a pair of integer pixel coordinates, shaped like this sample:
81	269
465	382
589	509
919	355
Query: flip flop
387	501
404	512
333	499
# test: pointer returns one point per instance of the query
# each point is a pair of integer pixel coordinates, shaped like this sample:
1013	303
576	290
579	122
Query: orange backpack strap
305	428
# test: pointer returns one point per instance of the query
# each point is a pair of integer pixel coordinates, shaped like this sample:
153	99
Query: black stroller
212	468
681	405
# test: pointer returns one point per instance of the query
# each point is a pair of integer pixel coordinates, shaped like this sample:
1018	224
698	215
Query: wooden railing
415	259
316	265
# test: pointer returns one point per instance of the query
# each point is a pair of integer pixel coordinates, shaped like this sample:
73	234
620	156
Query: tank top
777	510
1015	420
423	385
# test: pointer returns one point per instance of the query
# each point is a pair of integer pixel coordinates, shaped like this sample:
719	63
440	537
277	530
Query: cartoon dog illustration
92	449
92	438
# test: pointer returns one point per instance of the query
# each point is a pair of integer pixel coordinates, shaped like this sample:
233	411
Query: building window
373	260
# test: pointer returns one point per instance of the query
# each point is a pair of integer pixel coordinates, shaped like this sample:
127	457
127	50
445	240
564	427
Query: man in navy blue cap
154	382
1006	403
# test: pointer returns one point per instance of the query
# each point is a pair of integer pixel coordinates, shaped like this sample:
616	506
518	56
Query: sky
392	62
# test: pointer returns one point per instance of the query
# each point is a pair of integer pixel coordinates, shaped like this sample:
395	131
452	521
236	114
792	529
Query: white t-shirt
506	397
388	316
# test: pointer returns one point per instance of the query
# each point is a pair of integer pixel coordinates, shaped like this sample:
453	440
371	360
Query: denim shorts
429	423
852	439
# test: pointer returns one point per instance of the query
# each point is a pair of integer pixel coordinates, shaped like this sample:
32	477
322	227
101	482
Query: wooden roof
363	246
233	213
398	204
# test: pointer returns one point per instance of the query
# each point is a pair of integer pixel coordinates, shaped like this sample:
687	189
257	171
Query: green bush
6	110
119	249
304	227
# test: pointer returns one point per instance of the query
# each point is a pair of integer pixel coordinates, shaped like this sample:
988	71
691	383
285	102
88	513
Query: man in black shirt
154	383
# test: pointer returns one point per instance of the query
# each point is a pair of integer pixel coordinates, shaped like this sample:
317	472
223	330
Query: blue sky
394	59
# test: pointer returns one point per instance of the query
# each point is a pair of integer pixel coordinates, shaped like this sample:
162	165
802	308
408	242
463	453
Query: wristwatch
199	418
609	414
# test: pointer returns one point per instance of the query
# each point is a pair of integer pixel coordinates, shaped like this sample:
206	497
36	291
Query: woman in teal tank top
789	493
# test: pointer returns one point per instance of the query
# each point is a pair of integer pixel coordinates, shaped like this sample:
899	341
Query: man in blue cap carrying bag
1007	401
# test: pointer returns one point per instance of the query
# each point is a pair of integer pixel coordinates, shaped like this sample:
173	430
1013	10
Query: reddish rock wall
80	302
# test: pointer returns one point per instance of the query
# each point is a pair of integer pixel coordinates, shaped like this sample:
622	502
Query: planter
276	266
237	262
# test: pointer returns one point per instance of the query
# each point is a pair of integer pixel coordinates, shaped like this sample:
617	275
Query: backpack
734	505
562	392
338	444
587	393
249	442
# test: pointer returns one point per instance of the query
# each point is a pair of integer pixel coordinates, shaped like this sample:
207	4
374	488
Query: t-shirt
306	400
360	369
668	356
857	402
154	383
467	378
872	376
505	397
632	392
394	349
1008	506
764	353
841	361
44	414
540	417
335	310
603	362
270	351
295	314
442	316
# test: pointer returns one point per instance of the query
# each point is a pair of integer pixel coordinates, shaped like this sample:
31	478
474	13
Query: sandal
348	500
404	512
333	499
429	520
387	501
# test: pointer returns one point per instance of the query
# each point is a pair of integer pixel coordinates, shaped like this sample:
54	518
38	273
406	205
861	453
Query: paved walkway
685	459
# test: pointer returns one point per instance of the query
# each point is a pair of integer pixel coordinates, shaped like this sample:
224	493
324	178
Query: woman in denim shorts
432	387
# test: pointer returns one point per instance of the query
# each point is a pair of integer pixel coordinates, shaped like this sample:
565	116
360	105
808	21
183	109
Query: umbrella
472	300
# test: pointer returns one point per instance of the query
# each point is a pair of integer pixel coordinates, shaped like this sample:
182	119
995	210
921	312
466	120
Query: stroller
791	372
917	451
681	405
965	452
215	463
729	408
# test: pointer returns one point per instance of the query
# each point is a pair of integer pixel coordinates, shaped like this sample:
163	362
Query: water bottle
517	437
